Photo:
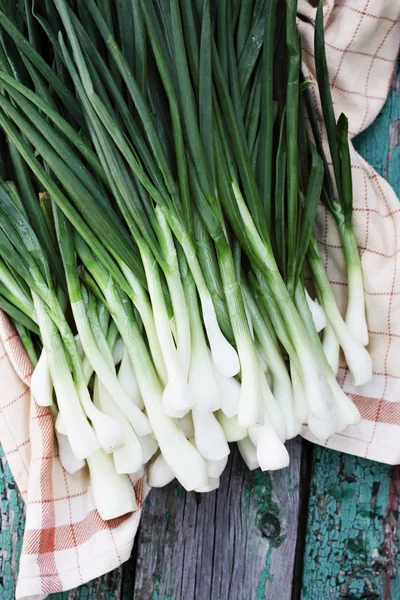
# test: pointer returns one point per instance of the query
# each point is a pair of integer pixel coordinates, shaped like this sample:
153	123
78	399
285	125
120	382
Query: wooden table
326	528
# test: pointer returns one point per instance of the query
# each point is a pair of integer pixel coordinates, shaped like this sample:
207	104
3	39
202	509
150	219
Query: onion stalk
155	231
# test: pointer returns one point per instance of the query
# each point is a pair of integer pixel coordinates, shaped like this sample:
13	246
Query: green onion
158	202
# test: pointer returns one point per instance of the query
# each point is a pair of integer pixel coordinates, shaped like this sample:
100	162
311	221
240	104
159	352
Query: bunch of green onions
160	175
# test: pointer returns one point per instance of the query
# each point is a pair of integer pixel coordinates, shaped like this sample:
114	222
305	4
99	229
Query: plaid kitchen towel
65	542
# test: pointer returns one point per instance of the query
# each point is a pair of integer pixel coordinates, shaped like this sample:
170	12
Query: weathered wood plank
107	587
238	542
218	545
352	547
12	525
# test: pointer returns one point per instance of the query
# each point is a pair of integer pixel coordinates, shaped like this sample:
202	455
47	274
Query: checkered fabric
66	543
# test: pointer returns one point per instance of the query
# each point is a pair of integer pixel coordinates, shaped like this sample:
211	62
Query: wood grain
238	542
352	549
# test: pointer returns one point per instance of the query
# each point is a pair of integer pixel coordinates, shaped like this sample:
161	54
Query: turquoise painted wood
12	524
352	547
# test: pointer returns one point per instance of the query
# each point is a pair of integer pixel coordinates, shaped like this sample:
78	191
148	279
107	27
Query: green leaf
17	315
292	107
244	23
205	102
192	35
309	212
346	177
267	110
127	29
179	145
280	199
140	48
22	236
41	65
136	95
249	56
325	94
101	225
239	151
